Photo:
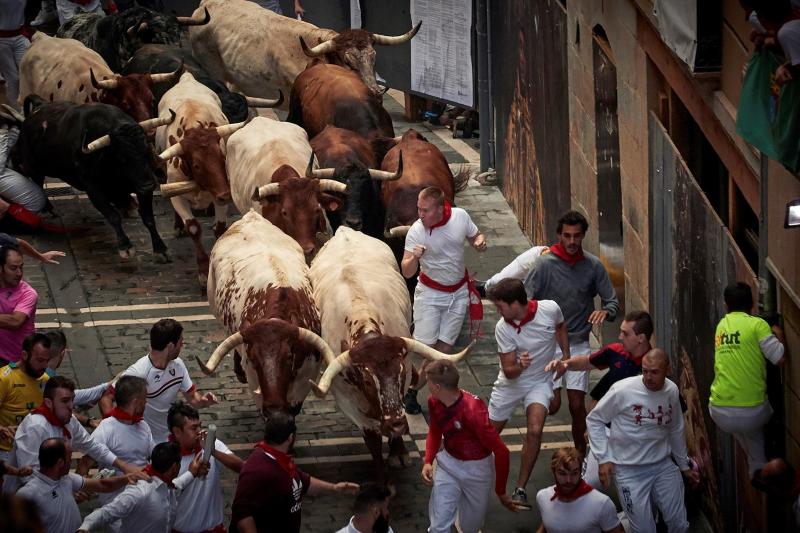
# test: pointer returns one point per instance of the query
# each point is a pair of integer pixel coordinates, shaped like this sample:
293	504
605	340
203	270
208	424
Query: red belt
216	529
12	33
82	2
433	284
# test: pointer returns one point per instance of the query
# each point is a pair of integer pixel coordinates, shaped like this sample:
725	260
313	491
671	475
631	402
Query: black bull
53	141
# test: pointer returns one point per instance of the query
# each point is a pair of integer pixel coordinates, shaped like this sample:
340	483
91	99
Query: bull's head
361	191
354	49
276	352
379	367
133	93
297	205
202	158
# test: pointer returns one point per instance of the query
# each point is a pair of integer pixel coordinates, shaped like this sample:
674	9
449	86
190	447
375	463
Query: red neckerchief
284	460
447	210
150	471
562	254
533	305
51	417
122	416
186	451
583	488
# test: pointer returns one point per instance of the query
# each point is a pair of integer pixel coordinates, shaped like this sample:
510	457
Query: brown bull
133	93
324	95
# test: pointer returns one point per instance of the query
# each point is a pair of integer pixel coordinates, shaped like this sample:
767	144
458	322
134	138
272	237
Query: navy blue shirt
620	364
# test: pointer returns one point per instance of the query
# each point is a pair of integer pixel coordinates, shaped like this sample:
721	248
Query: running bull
99	149
366	313
261	52
65	70
258	287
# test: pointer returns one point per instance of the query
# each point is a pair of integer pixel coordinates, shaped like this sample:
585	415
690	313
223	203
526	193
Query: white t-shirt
350	528
519	267
646	426
789	37
592	512
200	505
537	337
443	260
54	500
162	389
130	442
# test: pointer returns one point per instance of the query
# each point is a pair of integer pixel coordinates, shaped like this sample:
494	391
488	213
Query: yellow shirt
19	394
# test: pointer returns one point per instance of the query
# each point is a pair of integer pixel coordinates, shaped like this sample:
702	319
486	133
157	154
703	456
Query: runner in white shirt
150	507
124	432
166	375
51	488
370	511
54	420
647	433
526	338
435	245
200	506
519	268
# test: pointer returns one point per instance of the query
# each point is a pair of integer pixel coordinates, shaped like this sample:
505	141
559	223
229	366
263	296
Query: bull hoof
162	258
127	253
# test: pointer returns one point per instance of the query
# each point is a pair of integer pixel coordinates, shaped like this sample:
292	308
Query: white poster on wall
441	53
355	13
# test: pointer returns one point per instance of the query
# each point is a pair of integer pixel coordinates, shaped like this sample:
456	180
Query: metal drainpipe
767	294
484	76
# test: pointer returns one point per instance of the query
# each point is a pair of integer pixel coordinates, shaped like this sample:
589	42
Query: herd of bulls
109	93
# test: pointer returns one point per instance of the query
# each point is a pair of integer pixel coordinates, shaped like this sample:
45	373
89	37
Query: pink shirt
21	298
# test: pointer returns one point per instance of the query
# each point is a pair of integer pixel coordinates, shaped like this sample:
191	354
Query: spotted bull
265	161
162	58
350	158
98	149
65	70
258	287
325	94
193	147
117	36
262	52
365	313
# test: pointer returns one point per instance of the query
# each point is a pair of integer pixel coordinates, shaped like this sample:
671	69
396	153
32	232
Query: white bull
258	287
260	51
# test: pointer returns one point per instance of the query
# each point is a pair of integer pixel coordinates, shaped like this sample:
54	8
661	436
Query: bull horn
168	190
97	144
321	49
318	173
336	366
316	341
433	354
396	232
383	175
176	150
266	190
153	123
332	185
168	76
134	29
229	129
102	84
265	102
387	40
222	350
12	114
191	21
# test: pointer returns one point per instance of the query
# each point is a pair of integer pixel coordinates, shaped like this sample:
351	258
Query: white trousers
11	51
590	471
746	424
460	487
639	486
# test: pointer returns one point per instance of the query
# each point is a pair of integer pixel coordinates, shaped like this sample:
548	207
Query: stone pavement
106	305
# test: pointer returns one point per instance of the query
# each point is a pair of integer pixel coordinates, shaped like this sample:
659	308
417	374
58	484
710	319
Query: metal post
484	95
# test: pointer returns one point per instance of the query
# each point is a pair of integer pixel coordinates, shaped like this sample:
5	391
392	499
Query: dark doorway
609	193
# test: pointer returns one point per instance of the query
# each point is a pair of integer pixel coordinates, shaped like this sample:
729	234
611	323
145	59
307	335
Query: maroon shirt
266	493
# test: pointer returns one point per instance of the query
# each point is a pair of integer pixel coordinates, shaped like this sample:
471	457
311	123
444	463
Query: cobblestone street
106	306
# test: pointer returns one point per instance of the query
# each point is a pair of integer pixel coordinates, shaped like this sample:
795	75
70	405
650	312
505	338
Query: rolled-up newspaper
208	447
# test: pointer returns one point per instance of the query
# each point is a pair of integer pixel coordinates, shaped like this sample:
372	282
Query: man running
526	338
572	505
435	245
463	474
647	433
572	278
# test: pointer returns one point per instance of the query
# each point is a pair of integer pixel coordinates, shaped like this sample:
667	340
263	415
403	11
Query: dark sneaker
480	286
410	402
520	497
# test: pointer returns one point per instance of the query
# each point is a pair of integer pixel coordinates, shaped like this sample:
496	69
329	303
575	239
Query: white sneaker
44	16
